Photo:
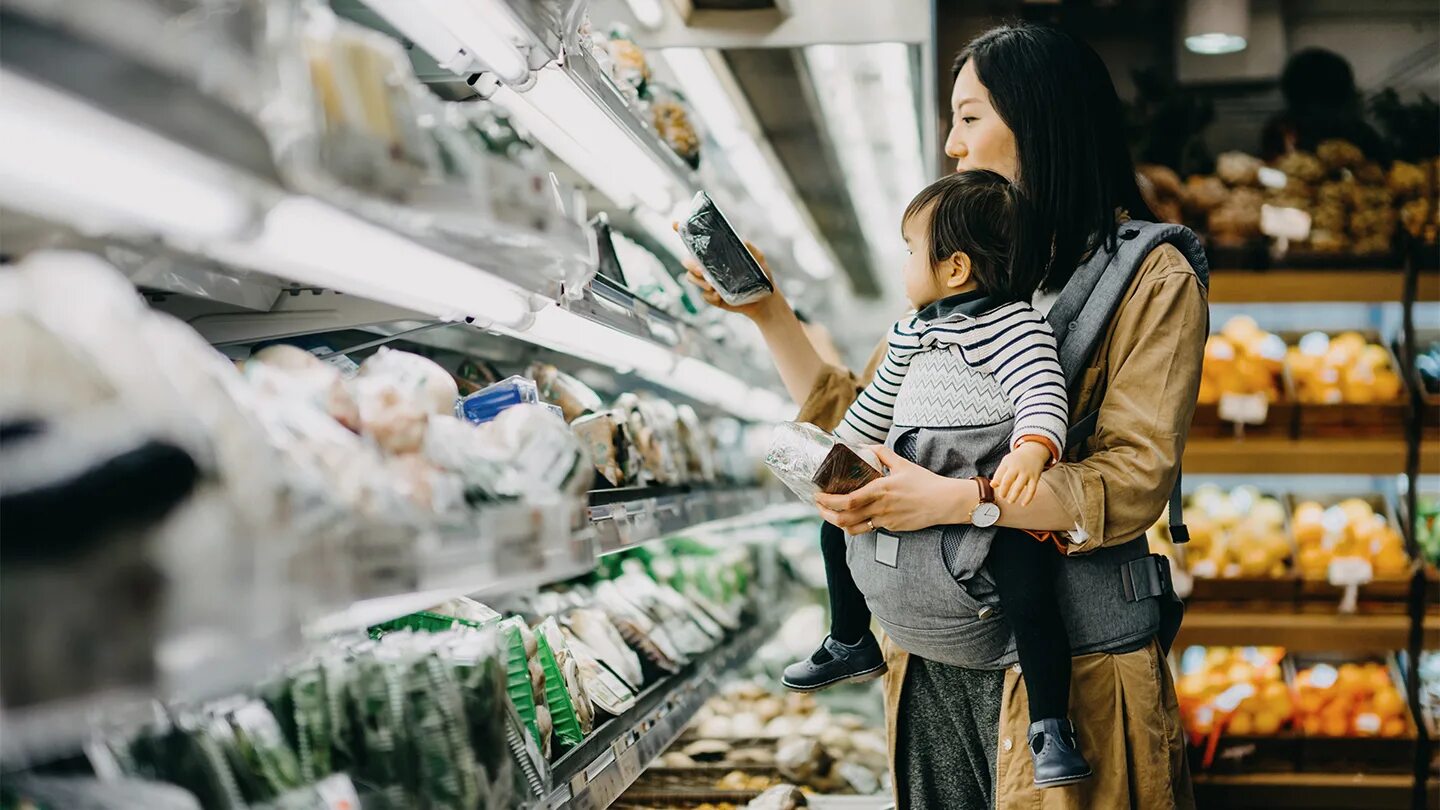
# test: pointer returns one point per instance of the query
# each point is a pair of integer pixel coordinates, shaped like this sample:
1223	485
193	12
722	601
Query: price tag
337	793
1284	223
629	764
1346	571
1245	409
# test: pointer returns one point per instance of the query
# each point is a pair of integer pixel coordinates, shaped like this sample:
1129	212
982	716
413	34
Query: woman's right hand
755	310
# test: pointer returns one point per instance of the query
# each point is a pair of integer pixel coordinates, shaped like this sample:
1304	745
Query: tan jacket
1144	379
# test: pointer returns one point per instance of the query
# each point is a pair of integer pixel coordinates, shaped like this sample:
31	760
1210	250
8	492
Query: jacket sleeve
1152	365
834	390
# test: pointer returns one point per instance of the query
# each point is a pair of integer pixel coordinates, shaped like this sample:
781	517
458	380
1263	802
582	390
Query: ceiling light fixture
1215	27
583	135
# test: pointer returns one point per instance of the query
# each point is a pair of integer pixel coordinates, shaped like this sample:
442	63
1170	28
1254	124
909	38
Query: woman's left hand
910	497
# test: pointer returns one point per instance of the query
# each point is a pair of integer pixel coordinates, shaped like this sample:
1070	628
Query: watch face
985	514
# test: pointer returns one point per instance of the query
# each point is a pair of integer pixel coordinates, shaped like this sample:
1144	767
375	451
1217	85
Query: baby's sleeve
1023	357
869	418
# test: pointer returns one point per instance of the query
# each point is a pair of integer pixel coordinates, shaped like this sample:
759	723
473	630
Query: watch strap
987	490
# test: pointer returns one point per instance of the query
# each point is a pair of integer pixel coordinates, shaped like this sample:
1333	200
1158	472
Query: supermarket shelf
625	524
594	774
1312	791
1304	632
510	547
1314	286
1290	456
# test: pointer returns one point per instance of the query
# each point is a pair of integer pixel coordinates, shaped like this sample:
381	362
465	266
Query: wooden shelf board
1308	790
1309	286
1288	456
1303	632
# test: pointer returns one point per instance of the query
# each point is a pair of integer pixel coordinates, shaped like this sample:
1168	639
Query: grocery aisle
363	445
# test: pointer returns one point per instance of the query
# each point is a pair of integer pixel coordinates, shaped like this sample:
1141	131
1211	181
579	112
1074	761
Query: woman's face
978	136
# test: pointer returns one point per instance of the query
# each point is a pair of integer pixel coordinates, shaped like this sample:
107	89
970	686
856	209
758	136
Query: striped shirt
963	362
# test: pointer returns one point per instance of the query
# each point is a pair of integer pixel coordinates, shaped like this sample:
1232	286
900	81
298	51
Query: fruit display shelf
1304	632
1281	456
1317	286
1311	791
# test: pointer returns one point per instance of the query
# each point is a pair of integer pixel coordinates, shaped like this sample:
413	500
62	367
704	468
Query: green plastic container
557	697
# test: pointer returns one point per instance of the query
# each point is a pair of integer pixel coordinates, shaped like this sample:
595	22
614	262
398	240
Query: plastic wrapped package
605	436
699	448
670	117
650	435
488	403
322	382
455	445
725	260
574	398
541	456
421	378
593	627
661	416
365	95
810	461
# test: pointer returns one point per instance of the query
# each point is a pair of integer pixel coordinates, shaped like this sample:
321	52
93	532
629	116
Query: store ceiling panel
777	85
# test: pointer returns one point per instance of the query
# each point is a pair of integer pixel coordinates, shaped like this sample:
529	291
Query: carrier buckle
1146	578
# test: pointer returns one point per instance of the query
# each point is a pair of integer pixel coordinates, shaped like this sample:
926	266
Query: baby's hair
973	212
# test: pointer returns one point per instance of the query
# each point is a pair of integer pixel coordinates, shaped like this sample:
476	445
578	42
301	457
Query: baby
974	353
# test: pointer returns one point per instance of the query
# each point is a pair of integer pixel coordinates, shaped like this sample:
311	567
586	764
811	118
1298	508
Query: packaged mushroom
600	636
605	436
574	398
810	461
697	443
648	433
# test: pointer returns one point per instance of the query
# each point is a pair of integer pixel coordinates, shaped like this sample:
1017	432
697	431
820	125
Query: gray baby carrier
929	589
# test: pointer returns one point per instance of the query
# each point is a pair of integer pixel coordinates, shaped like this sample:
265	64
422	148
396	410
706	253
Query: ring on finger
871	524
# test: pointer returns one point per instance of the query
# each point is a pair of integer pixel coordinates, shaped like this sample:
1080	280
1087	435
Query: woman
1039	107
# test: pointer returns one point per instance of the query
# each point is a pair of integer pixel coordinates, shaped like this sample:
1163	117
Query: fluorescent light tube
649	13
421	27
575	127
569	333
64	160
314	243
485	35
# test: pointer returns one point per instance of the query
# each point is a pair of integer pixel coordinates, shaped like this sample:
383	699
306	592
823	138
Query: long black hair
1056	95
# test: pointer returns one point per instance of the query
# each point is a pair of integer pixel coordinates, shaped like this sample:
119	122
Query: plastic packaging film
727	264
809	461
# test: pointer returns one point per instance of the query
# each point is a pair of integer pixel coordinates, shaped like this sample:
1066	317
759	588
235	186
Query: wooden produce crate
1221	751
1348	420
1383	594
1256	591
1239	416
1357	754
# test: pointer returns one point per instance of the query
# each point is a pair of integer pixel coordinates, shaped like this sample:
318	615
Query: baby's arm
1024	360
869	418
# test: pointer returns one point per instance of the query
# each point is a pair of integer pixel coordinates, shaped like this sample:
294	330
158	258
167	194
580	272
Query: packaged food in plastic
540	453
604	436
322	382
699	452
594	627
488	403
390	416
574	398
420	377
647	432
457	446
671	119
809	461
725	260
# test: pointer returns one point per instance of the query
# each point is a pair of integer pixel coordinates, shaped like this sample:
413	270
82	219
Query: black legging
849	615
1025	571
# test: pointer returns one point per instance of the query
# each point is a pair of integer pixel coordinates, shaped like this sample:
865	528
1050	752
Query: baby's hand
1018	476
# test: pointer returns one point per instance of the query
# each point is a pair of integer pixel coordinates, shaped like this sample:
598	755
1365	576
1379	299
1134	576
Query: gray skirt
946	733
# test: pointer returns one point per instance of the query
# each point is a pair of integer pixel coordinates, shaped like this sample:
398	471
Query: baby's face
922	283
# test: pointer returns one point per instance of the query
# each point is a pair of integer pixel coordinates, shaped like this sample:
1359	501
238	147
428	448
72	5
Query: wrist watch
986	512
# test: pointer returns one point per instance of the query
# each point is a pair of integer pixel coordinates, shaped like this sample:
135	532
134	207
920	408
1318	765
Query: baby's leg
1024	569
849	615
